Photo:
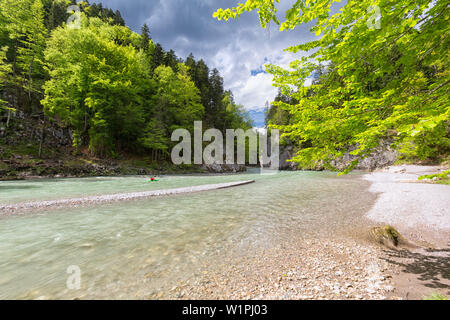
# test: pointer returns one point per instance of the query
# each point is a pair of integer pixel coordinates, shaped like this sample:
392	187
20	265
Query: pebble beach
345	269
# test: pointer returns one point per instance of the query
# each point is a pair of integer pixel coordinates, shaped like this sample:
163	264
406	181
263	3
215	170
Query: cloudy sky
237	48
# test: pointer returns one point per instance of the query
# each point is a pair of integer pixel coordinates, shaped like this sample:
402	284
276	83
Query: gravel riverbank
305	269
344	268
421	211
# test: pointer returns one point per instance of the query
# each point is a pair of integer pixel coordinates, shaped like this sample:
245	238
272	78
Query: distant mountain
258	117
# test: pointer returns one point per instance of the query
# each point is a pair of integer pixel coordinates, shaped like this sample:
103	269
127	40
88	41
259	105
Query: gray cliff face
379	159
286	153
224	168
382	156
33	129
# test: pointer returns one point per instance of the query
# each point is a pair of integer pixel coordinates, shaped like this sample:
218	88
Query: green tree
24	35
277	115
55	12
157	57
201	80
106	14
380	83
176	104
171	60
190	63
5	70
177	98
235	116
145	38
216	92
31	53
116	90
97	85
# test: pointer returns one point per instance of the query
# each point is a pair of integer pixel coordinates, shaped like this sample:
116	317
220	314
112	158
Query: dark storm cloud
236	47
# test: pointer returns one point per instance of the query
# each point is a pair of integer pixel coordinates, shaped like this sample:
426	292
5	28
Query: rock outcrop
381	157
224	168
287	153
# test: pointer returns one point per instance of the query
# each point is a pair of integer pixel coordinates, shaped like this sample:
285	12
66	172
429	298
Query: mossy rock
41	170
386	235
3	166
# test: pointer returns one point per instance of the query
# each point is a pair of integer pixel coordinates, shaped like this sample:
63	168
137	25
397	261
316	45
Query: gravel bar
8	209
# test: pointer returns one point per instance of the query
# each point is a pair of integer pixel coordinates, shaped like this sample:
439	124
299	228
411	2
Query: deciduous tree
381	82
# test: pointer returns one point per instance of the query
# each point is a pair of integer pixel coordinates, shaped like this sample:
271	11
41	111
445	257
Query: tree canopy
379	77
96	85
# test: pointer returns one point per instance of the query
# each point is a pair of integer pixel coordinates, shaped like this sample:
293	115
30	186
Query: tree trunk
42	138
9	117
29	78
14	76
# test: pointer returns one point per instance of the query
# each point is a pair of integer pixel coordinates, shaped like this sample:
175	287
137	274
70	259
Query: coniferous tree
145	38
118	19
191	64
201	80
216	96
157	57
171	60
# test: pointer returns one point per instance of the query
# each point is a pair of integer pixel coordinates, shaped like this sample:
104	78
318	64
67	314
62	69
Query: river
134	249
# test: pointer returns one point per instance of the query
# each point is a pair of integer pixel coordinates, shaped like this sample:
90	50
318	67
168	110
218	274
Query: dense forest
120	92
117	91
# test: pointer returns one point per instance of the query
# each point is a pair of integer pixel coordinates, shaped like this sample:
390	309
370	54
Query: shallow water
52	189
135	249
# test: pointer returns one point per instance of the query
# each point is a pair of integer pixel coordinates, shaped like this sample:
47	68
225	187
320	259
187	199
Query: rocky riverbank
30	148
345	268
341	269
421	212
20	167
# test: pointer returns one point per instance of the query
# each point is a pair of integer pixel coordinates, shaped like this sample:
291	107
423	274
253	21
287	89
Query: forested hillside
117	93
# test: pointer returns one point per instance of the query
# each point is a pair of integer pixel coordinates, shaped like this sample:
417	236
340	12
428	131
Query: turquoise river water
133	249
